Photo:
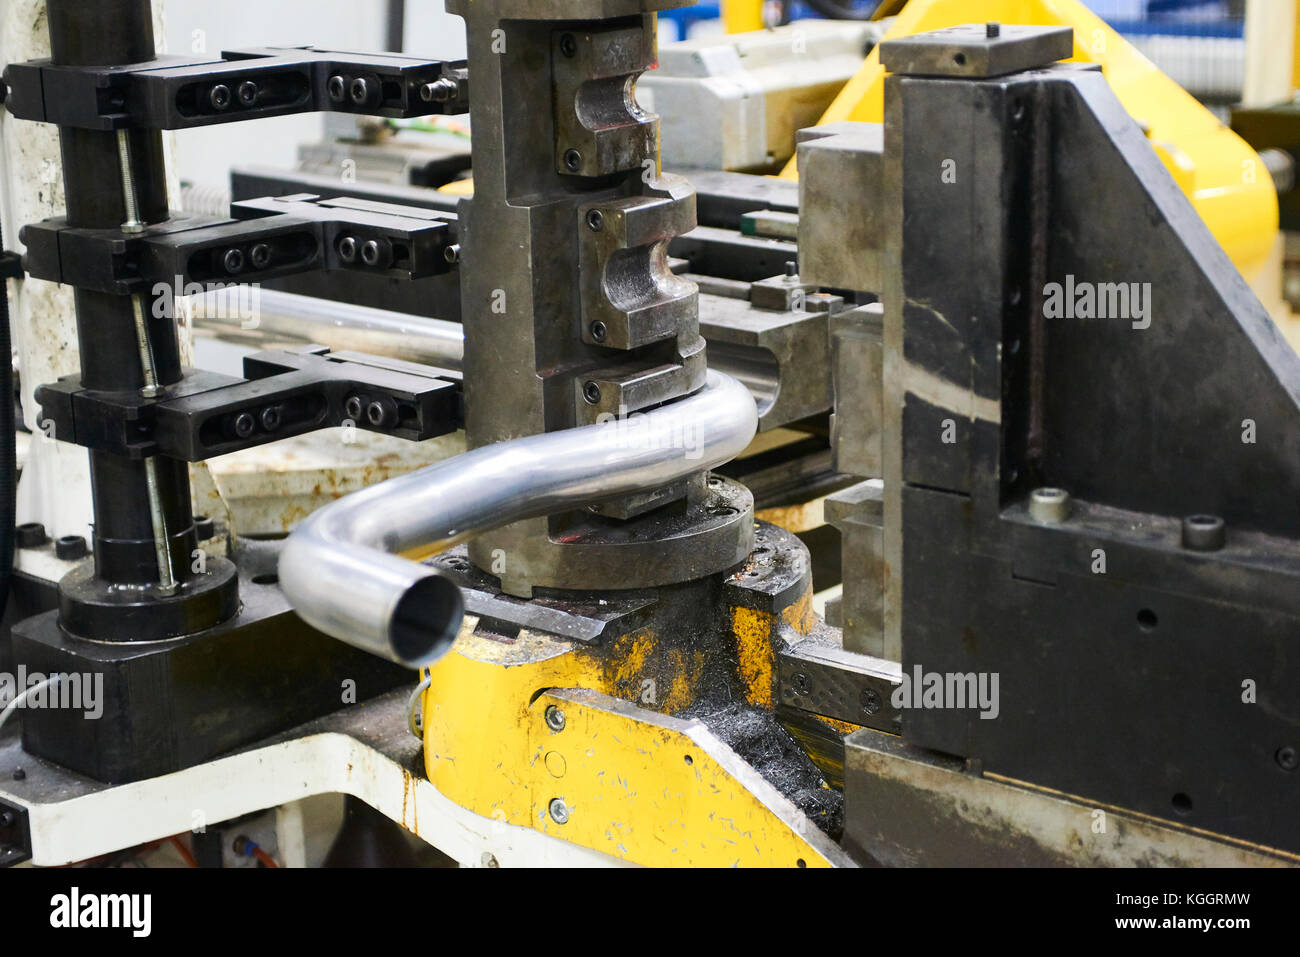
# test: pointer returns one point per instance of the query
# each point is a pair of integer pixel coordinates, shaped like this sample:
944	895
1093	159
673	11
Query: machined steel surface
1133	670
338	569
782	355
977	50
907	807
569	306
841	242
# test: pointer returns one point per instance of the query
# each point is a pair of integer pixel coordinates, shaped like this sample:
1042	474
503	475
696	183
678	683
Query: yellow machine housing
1222	176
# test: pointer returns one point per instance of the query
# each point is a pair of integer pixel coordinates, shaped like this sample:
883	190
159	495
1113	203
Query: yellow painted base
511	727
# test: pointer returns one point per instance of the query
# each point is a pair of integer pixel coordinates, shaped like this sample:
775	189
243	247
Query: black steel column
111	32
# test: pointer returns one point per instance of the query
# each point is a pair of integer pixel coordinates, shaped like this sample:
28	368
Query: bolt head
348	249
352	407
439	91
30	535
336	88
1288	758
260	255
71	547
248	93
1204	533
598	331
233	261
1049	506
559	811
379	413
554	718
591	392
244	425
572	160
595	220
219	96
359	91
870	700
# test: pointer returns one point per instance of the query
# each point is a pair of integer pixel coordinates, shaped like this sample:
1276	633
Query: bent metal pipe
340	569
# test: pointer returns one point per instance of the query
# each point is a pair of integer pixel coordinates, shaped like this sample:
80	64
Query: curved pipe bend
339	569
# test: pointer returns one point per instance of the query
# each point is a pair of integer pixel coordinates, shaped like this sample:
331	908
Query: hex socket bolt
348	249
377	252
244	425
381	412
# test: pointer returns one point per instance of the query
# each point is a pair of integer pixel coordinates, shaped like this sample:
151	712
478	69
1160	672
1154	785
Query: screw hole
1147	619
1182	803
959	59
270	578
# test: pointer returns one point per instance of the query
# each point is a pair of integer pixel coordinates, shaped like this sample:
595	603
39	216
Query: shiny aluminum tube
339	568
284	317
228	314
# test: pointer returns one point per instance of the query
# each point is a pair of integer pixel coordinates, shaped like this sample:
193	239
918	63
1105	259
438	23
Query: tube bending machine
1057	433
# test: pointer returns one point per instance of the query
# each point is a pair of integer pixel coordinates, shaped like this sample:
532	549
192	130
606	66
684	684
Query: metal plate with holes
834	683
977	50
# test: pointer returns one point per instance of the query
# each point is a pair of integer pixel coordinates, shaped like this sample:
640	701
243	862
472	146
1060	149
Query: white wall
205	156
432	32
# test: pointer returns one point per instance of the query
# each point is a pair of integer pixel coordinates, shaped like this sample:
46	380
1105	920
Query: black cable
9	267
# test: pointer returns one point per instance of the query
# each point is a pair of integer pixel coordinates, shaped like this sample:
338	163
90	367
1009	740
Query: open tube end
426	621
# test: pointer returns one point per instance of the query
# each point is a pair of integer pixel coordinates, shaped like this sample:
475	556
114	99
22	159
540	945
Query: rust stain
755	657
803	517
800	616
406	792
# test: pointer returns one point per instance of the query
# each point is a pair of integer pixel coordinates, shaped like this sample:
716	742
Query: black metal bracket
287	392
11	265
268	238
174	92
15	834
